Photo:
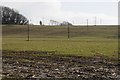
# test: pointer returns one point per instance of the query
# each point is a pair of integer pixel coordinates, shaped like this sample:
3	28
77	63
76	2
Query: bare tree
53	22
66	23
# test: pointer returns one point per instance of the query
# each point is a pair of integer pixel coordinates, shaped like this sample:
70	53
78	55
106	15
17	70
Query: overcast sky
74	11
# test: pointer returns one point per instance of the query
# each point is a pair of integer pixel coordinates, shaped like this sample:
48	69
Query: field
89	53
83	41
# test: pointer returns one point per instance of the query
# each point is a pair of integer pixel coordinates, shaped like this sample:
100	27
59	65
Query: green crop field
83	41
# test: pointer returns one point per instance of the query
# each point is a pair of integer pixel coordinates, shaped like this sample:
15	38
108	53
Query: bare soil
29	65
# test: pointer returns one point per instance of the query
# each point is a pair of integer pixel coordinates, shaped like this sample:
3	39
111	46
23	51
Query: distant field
85	41
60	31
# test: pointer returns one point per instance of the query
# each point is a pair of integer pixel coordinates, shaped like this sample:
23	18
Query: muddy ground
29	65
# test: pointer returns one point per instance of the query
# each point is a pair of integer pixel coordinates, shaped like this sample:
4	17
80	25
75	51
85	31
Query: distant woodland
12	16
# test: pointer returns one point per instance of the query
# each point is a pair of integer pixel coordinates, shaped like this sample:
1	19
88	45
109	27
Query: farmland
82	41
90	52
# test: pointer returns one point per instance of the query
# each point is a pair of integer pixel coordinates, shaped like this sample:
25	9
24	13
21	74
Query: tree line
11	16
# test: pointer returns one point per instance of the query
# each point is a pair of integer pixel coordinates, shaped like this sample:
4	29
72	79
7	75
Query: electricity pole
43	20
68	31
28	37
95	20
100	21
87	25
87	22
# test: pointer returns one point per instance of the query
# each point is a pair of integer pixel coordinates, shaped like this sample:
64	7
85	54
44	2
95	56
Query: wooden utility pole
100	21
87	25
68	31
87	22
95	20
43	20
28	36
